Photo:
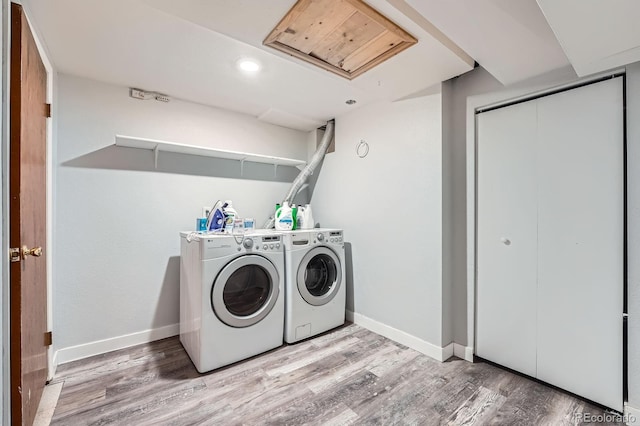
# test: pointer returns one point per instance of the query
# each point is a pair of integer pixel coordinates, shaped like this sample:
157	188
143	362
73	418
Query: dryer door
319	276
245	291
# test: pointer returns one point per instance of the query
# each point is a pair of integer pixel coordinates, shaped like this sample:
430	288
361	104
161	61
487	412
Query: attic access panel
346	37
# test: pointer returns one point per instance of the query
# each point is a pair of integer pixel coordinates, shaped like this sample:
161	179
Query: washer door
245	291
319	276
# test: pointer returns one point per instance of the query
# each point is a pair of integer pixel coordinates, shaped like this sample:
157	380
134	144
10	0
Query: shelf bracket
242	167
275	170
156	150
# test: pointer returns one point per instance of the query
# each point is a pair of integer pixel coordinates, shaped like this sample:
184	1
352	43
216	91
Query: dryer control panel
329	237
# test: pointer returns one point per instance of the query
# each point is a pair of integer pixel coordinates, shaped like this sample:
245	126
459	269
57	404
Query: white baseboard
429	349
98	347
448	351
463	352
349	316
631	415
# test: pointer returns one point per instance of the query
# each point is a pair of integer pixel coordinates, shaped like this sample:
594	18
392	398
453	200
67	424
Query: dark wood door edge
15	87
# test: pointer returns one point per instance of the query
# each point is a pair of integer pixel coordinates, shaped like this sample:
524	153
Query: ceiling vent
346	37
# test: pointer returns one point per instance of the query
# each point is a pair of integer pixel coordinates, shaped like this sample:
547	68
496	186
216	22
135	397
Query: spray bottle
230	215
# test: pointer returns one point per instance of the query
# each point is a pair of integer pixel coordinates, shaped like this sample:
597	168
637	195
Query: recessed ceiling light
248	65
350	102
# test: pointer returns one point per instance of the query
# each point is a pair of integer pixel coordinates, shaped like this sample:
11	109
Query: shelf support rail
156	150
242	166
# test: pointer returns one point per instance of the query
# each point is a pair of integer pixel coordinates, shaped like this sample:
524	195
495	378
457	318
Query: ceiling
596	35
510	38
189	49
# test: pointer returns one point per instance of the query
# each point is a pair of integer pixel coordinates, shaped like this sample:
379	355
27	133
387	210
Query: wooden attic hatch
346	37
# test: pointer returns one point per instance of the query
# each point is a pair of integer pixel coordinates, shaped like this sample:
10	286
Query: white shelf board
164	146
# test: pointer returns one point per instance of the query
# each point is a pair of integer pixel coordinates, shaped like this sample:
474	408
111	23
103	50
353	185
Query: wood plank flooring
348	376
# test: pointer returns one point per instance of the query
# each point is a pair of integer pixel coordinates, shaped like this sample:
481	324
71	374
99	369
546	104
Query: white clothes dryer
231	296
315	293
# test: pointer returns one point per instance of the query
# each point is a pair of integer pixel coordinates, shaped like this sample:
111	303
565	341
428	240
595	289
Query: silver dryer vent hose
318	156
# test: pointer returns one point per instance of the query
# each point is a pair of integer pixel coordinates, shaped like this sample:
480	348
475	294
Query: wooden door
581	241
27	211
506	242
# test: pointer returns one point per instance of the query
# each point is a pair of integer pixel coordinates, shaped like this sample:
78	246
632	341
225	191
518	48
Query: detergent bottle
230	215
294	216
308	217
284	218
305	217
275	213
300	223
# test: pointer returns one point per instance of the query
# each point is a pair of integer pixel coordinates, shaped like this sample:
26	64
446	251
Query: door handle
35	252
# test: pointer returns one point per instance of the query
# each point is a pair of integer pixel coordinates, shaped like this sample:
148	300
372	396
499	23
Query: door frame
5	376
5	383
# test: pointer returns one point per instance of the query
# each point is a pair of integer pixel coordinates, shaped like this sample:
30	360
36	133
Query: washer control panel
268	243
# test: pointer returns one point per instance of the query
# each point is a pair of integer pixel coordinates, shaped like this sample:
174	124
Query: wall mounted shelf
157	146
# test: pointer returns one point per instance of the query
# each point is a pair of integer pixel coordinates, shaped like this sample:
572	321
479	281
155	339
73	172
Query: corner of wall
447	212
439	353
315	136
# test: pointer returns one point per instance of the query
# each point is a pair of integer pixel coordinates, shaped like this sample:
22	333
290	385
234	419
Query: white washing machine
231	296
315	293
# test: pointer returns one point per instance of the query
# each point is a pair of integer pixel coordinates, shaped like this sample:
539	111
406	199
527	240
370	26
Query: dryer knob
320	237
248	243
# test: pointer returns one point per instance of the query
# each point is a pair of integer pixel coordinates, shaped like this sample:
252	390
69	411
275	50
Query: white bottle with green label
284	218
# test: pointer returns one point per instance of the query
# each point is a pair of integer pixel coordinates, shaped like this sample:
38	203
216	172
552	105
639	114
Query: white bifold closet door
554	289
507	237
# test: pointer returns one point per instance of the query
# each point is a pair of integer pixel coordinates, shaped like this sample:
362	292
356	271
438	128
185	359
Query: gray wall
633	212
117	218
472	83
390	206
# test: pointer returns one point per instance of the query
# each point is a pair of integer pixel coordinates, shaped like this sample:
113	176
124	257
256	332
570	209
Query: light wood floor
348	376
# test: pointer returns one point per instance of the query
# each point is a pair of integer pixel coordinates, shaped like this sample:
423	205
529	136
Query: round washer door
245	291
319	276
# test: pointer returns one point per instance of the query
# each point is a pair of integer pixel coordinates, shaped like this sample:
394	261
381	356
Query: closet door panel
506	240
580	241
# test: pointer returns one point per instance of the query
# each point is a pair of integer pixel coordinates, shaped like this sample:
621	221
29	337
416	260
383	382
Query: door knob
505	241
35	252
